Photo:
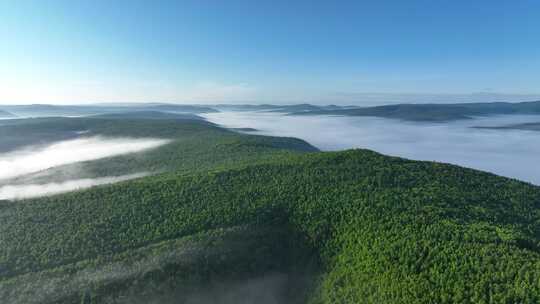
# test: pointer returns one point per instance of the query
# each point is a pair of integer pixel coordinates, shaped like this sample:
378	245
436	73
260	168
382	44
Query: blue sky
345	52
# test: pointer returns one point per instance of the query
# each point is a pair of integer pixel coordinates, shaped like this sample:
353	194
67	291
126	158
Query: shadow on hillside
238	265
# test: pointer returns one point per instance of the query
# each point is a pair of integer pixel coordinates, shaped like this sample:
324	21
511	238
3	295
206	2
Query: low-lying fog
34	159
13	192
511	153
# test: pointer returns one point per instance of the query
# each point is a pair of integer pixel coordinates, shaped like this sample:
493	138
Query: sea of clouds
511	153
20	191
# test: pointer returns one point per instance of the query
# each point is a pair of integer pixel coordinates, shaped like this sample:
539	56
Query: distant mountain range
434	112
149	115
39	110
409	112
303	107
531	126
5	114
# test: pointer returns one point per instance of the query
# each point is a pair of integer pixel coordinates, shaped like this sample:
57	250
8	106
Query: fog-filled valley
506	152
36	159
19	191
53	153
33	159
267	204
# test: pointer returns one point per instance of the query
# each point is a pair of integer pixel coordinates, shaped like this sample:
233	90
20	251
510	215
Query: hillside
196	145
435	112
291	108
149	115
341	227
5	114
194	109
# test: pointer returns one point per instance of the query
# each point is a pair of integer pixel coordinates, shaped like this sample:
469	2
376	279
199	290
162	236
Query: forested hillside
341	227
196	145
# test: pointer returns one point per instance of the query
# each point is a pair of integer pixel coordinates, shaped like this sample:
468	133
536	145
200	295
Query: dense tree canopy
381	229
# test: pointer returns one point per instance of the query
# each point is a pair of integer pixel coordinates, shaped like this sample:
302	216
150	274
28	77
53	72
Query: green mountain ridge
435	112
149	115
197	145
342	227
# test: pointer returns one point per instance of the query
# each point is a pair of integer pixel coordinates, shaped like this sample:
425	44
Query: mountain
530	126
238	217
305	107
179	108
149	115
435	112
247	107
197	145
44	110
5	114
410	112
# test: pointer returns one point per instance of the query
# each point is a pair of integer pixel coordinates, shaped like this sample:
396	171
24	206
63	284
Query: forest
353	226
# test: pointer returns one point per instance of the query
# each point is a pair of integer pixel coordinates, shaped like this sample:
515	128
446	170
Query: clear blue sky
355	52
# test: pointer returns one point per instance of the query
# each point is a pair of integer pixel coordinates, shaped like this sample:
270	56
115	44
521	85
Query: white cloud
35	159
14	192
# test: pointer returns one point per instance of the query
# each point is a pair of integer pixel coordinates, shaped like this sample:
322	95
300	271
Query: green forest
341	227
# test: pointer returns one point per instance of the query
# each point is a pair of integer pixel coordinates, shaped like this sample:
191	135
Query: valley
221	211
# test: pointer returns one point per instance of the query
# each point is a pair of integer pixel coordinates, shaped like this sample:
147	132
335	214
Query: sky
340	52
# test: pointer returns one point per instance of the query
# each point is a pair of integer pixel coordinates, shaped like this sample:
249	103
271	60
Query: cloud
13	192
509	153
34	159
